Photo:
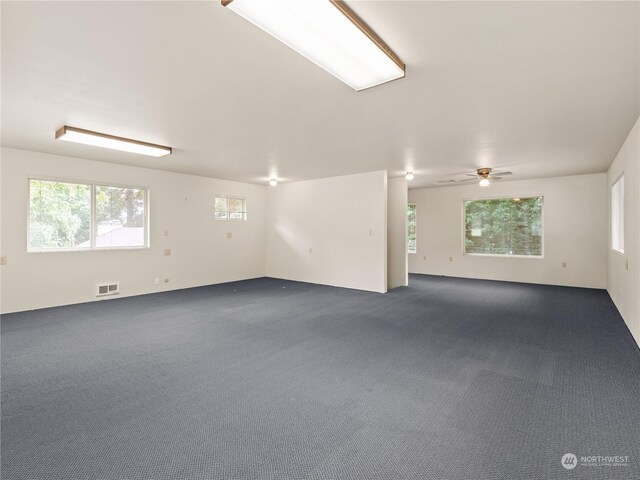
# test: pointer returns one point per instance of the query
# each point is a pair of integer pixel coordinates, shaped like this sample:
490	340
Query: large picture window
80	216
504	226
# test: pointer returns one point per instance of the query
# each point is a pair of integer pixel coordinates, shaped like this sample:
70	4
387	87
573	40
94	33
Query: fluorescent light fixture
328	33
484	182
273	182
409	176
87	137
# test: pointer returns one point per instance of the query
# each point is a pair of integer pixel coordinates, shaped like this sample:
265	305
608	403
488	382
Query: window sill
498	255
618	252
96	249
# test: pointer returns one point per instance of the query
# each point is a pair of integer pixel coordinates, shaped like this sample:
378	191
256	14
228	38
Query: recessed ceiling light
328	33
273	182
87	137
409	176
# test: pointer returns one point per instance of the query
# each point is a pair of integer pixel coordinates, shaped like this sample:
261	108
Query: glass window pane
221	207
506	226
411	228
120	217
236	205
59	215
236	208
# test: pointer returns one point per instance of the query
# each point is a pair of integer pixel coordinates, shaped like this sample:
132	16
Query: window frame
409	204
620	215
500	255
92	222
245	215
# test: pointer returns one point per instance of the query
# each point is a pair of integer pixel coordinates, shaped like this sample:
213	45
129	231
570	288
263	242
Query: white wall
182	204
574	232
397	262
623	283
331	231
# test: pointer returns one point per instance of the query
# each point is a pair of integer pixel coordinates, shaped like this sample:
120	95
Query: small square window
230	208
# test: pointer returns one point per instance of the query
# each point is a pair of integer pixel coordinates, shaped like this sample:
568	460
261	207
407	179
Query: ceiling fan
484	174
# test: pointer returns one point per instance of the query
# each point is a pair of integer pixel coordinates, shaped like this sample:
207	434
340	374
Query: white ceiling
538	88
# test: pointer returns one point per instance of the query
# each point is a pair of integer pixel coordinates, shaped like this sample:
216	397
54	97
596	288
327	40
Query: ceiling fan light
484	182
409	176
273	182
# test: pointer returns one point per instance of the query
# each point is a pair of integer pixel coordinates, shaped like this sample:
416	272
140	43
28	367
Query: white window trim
499	255
92	225
228	217
416	250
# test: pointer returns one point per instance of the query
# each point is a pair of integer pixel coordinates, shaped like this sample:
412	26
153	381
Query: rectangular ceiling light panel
328	33
87	137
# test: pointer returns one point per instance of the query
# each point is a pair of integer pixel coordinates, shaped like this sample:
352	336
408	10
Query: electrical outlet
311	250
424	257
370	233
451	259
167	251
166	233
564	264
229	235
157	281
3	260
166	280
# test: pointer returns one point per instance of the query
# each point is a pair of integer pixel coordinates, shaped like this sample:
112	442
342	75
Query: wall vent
108	289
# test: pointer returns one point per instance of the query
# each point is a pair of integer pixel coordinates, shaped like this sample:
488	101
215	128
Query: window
411	228
80	216
232	208
505	226
120	217
617	215
59	215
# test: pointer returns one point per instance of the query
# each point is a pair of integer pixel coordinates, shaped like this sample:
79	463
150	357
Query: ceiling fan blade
493	177
504	173
468	180
446	181
471	174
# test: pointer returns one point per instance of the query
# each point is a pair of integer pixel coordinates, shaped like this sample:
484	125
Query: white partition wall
331	231
623	268
397	270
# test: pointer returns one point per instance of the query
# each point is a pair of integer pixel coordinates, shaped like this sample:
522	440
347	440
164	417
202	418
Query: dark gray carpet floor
268	379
